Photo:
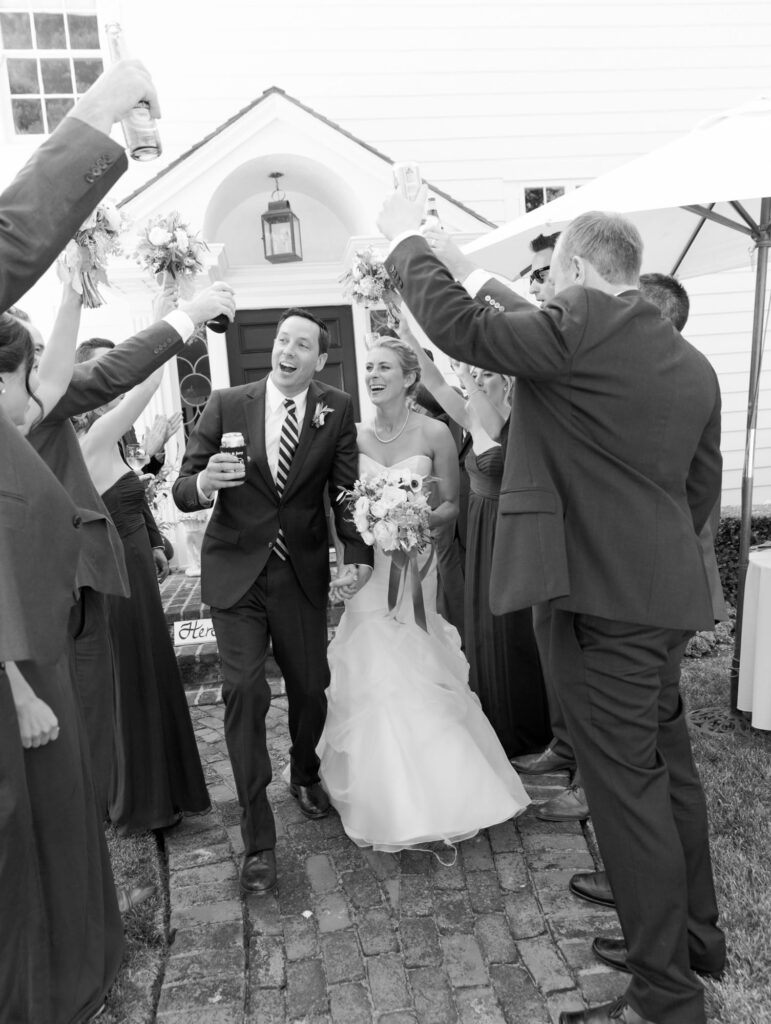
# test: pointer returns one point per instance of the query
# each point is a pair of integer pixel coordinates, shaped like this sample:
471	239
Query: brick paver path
354	936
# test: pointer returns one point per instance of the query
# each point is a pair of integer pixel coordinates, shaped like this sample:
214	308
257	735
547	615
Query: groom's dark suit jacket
614	464
244	524
49	199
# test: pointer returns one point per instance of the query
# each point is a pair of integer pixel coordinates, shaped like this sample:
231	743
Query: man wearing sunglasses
543	250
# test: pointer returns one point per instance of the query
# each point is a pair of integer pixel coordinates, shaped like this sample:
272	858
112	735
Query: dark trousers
274	607
619	691
542	628
94	674
449	598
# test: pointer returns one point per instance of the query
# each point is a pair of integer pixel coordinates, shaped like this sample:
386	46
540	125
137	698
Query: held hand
222	471
398	214
349	582
459	265
162	569
217	298
38	724
114	94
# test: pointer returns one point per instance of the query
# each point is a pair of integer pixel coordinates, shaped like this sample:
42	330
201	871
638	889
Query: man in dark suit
66	177
616	469
265	563
101	569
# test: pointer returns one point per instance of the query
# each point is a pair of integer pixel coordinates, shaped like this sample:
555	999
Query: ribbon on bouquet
404	570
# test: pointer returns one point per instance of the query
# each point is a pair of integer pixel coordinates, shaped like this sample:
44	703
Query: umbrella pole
756	359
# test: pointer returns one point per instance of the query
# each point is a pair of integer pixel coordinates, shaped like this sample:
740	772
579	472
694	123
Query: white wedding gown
407	755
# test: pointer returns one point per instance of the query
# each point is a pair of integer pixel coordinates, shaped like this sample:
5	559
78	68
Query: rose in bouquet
368	284
391	510
85	258
170	251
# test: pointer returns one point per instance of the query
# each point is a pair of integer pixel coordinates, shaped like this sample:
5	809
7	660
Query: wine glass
136	457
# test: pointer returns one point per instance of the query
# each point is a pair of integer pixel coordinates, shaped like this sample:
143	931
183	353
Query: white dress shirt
275	414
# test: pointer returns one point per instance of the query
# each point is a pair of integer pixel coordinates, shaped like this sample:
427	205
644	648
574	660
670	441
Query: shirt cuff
400	238
477	279
207	502
181	323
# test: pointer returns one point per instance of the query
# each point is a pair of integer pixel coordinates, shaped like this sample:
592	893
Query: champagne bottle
432	215
139	128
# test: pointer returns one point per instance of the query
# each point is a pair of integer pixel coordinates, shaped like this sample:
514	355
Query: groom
265	563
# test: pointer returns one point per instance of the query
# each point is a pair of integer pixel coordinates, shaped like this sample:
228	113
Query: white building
499	102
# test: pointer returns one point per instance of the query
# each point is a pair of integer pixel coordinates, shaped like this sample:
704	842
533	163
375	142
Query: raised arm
58	358
431	376
105	432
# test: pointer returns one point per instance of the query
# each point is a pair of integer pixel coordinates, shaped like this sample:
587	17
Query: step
199	664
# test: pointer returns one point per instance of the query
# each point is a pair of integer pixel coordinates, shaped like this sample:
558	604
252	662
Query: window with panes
52	55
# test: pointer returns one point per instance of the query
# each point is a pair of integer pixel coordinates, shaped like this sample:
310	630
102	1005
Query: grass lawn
137	860
736	773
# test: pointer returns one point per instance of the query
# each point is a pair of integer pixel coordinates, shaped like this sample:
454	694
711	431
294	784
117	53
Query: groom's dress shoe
613	952
594	887
617	1012
570	805
313	801
541	764
258	872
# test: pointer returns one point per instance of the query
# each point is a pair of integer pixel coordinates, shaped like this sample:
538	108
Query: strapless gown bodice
407	755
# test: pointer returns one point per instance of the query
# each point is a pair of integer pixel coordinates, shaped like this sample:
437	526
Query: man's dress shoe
258	872
541	764
617	1012
313	801
613	952
594	887
570	805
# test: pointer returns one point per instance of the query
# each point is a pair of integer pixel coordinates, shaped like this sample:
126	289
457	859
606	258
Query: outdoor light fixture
280	228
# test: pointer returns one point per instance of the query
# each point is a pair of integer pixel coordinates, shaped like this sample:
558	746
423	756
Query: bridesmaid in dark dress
61	936
157	773
503	657
504	667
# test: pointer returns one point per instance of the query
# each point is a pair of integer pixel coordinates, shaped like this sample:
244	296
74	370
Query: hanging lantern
280	228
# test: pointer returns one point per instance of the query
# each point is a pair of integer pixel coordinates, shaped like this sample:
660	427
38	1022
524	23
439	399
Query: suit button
270	544
77	521
90	179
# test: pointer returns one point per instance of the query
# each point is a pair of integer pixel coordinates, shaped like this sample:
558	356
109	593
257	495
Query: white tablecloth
755	666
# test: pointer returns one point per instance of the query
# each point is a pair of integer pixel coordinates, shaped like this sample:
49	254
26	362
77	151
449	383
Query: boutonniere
320	414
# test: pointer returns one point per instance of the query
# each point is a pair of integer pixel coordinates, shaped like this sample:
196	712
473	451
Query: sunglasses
539	275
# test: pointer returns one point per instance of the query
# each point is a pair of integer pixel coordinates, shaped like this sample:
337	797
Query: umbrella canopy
702	204
722	169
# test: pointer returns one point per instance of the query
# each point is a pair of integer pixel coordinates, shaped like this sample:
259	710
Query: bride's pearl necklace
399	432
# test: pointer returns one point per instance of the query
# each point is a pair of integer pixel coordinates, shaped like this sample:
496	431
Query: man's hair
610	242
306	315
541	242
668	294
87	348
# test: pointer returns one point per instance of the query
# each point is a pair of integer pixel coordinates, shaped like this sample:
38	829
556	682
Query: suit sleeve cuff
207	502
400	238
181	323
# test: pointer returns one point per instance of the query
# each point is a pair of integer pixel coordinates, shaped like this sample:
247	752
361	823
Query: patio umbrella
702	204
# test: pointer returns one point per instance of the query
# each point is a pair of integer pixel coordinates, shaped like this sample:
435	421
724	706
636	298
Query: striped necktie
287	446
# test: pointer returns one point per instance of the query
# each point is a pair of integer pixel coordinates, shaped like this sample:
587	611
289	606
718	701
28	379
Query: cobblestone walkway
353	936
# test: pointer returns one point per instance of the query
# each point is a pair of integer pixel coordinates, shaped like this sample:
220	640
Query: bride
407	755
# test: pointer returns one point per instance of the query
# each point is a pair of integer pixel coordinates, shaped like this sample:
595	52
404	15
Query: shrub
727	546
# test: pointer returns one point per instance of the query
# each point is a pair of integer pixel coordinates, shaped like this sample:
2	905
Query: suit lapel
255	419
306	435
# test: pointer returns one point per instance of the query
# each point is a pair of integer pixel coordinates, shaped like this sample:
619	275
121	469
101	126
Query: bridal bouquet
85	257
368	283
168	249
392	510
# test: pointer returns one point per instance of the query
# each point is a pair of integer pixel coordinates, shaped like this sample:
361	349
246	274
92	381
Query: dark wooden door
250	341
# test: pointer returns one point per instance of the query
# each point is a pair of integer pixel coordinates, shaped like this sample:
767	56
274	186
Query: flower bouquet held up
85	257
391	510
172	253
368	283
